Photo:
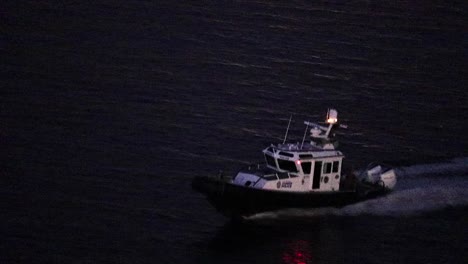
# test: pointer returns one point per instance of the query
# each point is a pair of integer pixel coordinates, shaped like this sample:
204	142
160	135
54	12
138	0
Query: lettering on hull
285	184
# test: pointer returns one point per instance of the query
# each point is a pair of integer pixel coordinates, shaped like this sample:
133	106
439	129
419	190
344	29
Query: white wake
418	191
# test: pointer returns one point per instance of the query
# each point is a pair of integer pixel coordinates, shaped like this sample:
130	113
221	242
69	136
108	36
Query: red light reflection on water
297	252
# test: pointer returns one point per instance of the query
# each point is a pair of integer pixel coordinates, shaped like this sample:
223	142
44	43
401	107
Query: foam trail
458	165
420	195
410	202
402	203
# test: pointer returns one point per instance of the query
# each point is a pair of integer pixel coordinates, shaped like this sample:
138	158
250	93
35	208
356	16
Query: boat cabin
312	166
320	169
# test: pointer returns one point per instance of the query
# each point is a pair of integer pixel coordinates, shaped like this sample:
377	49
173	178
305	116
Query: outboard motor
379	175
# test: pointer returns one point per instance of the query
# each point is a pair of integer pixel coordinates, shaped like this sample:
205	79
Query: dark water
108	109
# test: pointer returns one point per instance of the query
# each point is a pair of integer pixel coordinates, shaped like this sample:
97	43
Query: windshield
287	165
270	160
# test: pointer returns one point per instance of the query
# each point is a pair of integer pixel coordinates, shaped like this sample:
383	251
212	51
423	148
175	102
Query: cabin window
270	160
305	156
306	166
336	166
287	165
327	168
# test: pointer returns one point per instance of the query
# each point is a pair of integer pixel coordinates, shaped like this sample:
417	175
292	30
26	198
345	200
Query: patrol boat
293	175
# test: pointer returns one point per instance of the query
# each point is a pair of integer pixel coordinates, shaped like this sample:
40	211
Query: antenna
305	132
287	129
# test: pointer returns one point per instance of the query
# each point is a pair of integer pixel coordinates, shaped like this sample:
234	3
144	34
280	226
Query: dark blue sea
108	110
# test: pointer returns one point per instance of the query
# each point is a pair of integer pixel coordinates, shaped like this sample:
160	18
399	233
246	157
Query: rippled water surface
108	109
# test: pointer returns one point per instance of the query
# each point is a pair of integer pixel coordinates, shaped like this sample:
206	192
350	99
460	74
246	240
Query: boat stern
389	179
384	176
